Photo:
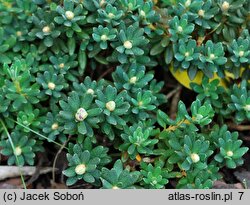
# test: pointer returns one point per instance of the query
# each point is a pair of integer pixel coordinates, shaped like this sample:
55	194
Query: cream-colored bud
80	169
195	157
19	33
69	15
241	53
54	126
46	29
104	37
133	80
201	12
225	6
212	56
90	91
110	105
51	86
128	44
230	153
61	65
187	3
180	29
18	151
81	114
111	15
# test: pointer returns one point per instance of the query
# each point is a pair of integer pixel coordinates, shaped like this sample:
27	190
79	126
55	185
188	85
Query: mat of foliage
85	90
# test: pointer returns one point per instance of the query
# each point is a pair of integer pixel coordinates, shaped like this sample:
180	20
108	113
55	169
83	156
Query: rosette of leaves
62	63
52	83
79	114
89	86
188	7
196	152
240	101
5	45
156	87
51	127
102	35
180	28
143	103
231	151
24	10
119	178
133	79
186	55
29	117
114	108
197	179
154	177
212	58
82	165
110	15
131	42
45	28
137	140
231	17
205	14
72	16
19	86
201	114
146	13
131	5
19	150
98	151
209	91
240	51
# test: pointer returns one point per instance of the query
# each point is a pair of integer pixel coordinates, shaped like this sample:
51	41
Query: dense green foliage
82	74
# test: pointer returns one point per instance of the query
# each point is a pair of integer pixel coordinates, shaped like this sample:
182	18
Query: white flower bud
195	157
19	33
241	53
111	15
115	187
230	153
180	29
61	65
104	37
201	12
133	80
225	6
18	151
142	13
69	15
127	44
212	56
247	108
46	29
186	54
81	114
54	126
80	169
187	3
90	91
51	86
110	105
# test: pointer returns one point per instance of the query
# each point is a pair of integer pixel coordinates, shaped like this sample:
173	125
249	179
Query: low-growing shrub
85	76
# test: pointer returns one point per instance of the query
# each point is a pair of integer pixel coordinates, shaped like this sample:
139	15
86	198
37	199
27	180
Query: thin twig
170	94
239	127
57	154
174	104
106	73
